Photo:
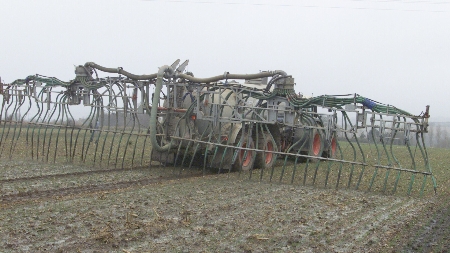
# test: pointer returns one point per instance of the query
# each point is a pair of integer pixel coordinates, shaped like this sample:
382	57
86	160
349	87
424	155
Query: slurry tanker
253	123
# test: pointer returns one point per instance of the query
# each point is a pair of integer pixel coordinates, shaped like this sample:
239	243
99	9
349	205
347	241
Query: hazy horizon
395	52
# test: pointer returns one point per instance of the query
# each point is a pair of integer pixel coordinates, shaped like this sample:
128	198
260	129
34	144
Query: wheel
331	149
245	159
316	145
266	142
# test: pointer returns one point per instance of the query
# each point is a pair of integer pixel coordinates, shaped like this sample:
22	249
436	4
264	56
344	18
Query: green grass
60	145
126	149
341	175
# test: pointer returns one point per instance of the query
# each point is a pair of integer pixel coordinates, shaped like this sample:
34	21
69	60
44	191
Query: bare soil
69	208
429	232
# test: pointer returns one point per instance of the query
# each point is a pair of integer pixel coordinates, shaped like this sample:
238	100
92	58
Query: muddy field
73	208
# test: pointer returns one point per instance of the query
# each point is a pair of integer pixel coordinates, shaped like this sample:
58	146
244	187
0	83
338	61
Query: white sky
392	51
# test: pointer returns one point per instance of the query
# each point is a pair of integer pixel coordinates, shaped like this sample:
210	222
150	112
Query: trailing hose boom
252	123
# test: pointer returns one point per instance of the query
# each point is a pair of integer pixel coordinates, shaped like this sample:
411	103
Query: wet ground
68	208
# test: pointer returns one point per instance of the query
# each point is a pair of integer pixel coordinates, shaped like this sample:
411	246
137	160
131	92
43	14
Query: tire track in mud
61	175
432	234
360	228
12	199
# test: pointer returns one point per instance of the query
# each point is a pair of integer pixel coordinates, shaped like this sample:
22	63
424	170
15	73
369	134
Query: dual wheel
248	158
329	149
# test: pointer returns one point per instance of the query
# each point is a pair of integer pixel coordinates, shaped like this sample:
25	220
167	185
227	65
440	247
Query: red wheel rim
248	159
269	155
316	145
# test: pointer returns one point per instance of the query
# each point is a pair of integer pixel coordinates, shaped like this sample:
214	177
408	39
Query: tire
245	159
316	146
266	160
331	149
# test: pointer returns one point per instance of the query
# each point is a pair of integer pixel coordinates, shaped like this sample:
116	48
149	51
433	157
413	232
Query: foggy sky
395	52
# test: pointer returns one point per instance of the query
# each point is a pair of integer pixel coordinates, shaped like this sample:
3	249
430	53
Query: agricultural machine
247	123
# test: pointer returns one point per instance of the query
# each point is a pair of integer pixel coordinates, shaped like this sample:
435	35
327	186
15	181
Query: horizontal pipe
226	75
120	71
174	110
230	76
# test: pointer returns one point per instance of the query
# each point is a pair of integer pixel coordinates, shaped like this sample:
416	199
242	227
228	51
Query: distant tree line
438	135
